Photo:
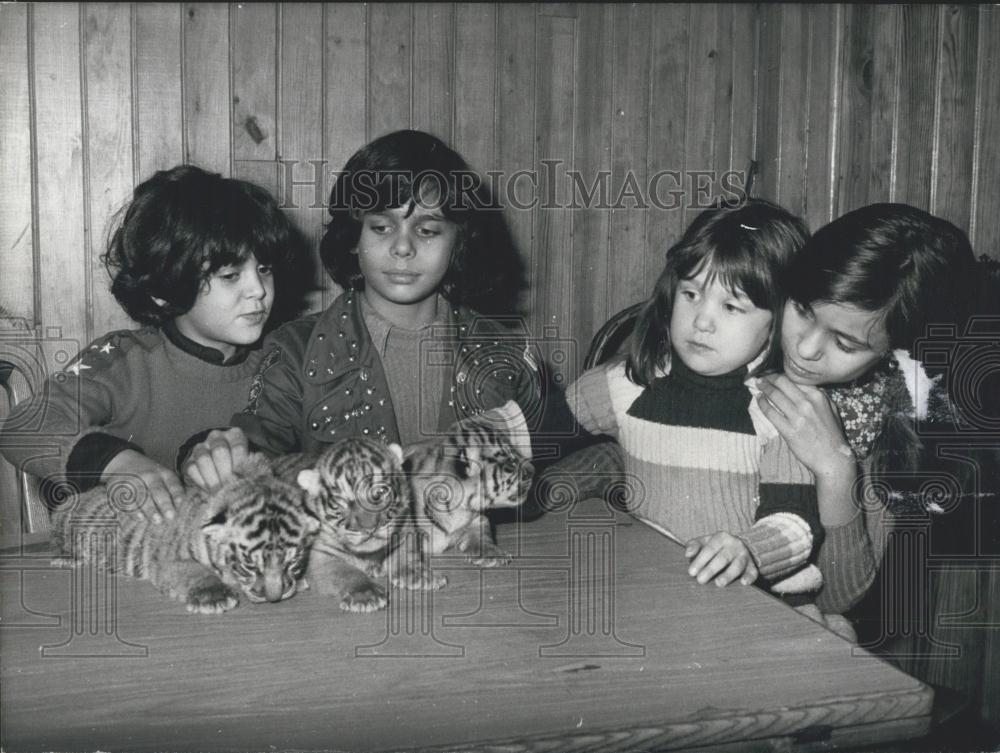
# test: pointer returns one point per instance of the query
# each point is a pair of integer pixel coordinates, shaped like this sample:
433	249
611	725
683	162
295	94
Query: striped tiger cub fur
251	536
473	468
367	531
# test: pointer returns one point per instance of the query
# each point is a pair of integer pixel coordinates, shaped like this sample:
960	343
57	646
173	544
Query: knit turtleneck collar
734	380
202	352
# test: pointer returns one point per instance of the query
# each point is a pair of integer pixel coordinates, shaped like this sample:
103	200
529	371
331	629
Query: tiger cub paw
369	597
488	554
419	579
211	597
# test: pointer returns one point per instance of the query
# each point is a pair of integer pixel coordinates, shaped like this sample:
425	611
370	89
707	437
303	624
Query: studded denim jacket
321	379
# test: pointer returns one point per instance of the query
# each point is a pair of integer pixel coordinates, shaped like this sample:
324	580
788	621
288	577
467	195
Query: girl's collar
733	380
202	352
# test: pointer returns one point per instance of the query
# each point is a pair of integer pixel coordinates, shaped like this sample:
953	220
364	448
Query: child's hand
211	462
807	422
156	487
721	556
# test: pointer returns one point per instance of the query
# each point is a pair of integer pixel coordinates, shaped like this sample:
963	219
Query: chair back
611	339
21	493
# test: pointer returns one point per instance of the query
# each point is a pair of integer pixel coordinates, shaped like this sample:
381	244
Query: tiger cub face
260	530
360	491
475	467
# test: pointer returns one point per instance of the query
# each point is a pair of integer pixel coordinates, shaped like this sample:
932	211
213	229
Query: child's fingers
781	401
162	505
202	460
174	485
222	458
772	414
750	574
694	546
706	551
175	490
735	569
238	445
713	567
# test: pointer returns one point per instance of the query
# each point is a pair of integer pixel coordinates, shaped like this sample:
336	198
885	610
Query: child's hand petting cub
721	556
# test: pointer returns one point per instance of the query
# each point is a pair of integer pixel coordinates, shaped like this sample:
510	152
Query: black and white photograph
530	377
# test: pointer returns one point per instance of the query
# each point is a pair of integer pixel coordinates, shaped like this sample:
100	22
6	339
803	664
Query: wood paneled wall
839	106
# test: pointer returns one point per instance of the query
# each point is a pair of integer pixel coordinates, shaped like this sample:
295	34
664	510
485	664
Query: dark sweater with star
701	462
148	389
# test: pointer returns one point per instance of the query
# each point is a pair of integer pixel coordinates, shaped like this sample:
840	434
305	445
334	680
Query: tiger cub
474	467
367	531
251	536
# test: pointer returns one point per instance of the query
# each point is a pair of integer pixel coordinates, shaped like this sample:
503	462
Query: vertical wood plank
59	142
951	188
390	58
345	104
793	91
300	126
475	82
822	104
434	68
158	99
986	218
699	145
253	34
629	152
884	103
768	103
854	122
16	235
742	22
515	136
108	83
551	268
254	74
915	136
589	307
667	140
206	86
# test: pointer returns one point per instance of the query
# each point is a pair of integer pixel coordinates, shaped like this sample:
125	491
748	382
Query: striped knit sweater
706	464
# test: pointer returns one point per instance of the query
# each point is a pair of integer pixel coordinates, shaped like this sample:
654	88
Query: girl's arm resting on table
65	418
848	564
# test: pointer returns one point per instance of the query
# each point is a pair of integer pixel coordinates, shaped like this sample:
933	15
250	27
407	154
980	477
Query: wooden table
594	638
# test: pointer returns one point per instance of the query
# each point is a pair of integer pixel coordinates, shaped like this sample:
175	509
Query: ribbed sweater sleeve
780	543
787	527
589	398
849	563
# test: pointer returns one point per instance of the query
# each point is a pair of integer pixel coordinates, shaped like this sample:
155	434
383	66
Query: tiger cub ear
310	480
397	451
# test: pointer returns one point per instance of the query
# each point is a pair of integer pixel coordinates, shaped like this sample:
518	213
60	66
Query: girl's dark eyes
688	294
846	348
734	309
265	269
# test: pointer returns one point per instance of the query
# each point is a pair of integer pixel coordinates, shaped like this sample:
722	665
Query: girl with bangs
405	351
713	473
847	387
204	263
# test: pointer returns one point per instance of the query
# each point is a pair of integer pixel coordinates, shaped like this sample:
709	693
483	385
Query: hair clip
748	227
